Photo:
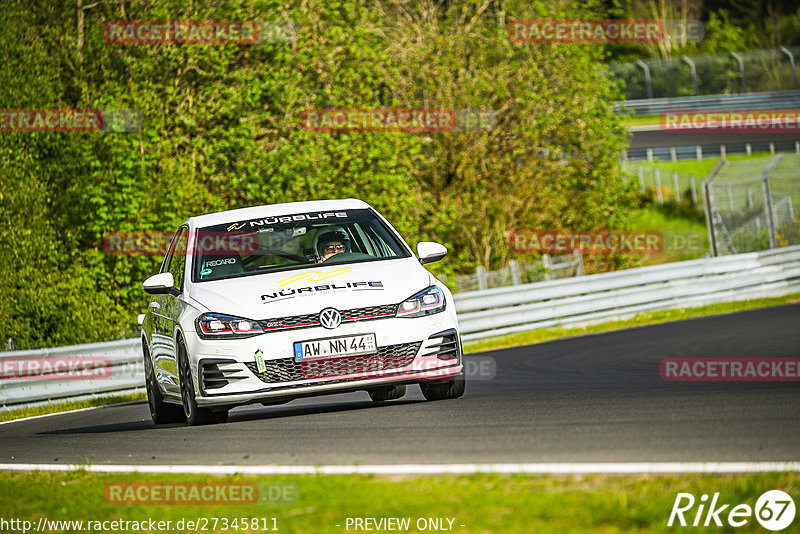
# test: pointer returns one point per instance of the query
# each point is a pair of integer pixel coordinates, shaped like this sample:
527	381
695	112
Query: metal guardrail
623	294
504	310
765	100
65	373
698	152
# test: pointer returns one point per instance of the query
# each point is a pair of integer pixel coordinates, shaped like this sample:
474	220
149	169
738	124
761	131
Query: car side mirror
160	284
430	251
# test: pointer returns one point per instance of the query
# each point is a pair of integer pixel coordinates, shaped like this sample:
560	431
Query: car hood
341	286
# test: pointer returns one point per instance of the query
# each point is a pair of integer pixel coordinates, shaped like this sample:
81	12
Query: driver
332	243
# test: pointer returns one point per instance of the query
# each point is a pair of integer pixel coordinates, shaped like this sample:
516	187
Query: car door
166	310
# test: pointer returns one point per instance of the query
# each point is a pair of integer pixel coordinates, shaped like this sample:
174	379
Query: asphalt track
659	139
595	398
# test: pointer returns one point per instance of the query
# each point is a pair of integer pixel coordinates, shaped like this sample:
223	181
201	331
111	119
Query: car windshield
290	242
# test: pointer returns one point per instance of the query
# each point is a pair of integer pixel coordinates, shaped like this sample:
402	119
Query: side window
176	263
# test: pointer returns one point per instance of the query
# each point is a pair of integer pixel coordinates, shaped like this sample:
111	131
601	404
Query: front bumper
409	351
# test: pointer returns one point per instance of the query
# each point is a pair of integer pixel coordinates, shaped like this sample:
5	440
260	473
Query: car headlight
215	325
426	302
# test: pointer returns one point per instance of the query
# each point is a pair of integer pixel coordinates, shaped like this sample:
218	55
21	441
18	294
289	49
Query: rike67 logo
774	511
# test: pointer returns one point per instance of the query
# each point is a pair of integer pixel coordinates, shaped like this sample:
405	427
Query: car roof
275	210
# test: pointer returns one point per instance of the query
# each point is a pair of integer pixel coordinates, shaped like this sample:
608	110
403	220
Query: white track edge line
429	469
32	417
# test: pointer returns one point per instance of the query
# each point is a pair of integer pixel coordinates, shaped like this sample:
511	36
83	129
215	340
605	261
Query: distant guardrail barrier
116	366
698	152
622	294
767	100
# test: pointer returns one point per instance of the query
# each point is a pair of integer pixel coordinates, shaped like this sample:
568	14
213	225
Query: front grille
289	370
308	320
370	312
281	370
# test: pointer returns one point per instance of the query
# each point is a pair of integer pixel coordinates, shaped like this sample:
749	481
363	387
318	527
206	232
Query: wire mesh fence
550	267
665	185
752	71
752	204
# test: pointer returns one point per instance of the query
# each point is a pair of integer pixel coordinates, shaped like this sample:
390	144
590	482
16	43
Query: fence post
748	149
772	148
791	62
650	155
722	153
480	272
709	206
693	70
768	207
579	258
647	80
738	59
547	264
516	279
677	186
694	190
673	154
749	197
730	197
641	178
699	152
659	194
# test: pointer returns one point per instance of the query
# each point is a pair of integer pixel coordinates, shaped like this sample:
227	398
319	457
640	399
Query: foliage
221	130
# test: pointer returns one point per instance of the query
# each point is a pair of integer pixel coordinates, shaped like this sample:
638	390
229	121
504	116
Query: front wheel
161	412
387	393
195	415
452	389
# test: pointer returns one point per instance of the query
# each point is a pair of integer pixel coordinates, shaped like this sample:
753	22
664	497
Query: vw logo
330	318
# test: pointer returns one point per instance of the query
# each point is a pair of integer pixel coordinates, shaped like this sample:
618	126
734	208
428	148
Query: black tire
452	389
161	412
195	415
387	393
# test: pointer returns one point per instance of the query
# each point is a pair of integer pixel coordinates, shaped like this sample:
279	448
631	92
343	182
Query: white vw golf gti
273	303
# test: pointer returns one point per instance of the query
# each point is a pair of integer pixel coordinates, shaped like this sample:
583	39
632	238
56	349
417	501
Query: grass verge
68	406
547	334
641	120
484	503
684	238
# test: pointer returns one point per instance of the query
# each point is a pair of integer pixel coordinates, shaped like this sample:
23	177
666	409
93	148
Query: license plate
335	347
